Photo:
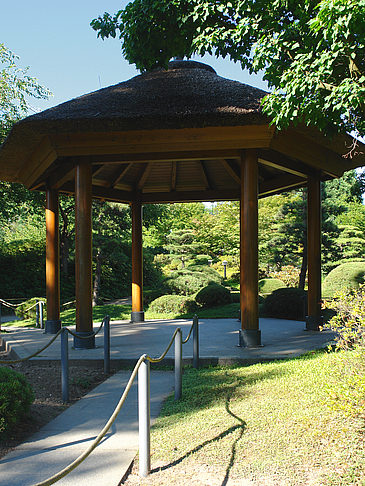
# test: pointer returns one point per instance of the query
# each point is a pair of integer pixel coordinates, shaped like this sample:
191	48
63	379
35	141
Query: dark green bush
235	297
16	396
347	276
27	309
188	282
173	304
213	295
206	270
287	303
268	285
151	295
201	259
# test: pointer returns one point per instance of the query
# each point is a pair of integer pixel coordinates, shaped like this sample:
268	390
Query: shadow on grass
240	426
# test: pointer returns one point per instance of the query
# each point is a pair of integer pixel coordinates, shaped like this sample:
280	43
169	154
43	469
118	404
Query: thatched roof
171	118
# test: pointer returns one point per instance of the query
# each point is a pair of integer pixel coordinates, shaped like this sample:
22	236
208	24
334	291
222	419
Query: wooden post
83	255
251	335
314	319
53	323
137	263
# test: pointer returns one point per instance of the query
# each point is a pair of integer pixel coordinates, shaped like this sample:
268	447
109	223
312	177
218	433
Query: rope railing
142	367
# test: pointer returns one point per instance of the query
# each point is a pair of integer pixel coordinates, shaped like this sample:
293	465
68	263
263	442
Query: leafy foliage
344	277
16	396
268	285
188	282
173	304
16	86
288	303
312	52
213	295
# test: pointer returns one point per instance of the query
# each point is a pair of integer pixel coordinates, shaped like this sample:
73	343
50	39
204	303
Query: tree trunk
97	277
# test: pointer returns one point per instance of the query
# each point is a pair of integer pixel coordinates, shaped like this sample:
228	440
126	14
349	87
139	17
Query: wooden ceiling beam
144	176
280	184
276	160
295	145
190	196
39	161
232	170
210	183
120	175
203	174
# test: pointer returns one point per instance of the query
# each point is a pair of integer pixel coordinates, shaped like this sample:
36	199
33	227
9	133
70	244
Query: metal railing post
178	364
41	310
64	365
196	342
37	313
144	418
107	344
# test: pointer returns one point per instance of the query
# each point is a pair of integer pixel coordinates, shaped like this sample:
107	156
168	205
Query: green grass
268	423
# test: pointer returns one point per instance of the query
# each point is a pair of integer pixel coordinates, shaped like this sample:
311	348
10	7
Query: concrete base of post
52	326
82	343
137	316
250	338
313	323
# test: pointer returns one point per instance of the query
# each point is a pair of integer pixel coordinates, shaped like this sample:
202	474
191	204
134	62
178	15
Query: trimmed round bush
201	259
286	303
212	295
173	304
27	309
268	285
206	270
188	282
344	277
16	396
151	295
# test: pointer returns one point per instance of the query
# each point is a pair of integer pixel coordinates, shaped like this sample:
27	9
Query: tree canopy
311	51
16	86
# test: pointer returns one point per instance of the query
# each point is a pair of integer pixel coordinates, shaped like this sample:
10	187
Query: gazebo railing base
85	341
137	316
251	338
313	323
52	326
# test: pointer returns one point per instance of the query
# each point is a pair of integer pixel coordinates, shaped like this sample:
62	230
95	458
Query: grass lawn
266	424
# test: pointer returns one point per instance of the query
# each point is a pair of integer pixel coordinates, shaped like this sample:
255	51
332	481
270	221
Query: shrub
27	309
344	277
349	320
286	303
235	297
205	269
287	274
188	282
151	295
16	396
173	304
213	295
268	285
201	259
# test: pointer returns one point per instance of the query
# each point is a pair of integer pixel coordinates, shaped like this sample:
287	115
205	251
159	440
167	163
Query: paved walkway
63	439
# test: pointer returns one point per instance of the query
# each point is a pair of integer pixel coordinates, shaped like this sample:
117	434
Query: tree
311	51
15	87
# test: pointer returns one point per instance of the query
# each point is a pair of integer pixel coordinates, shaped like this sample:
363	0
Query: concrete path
61	441
218	340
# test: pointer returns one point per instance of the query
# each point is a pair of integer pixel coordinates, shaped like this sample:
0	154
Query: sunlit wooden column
137	263
314	319
53	323
251	335
83	255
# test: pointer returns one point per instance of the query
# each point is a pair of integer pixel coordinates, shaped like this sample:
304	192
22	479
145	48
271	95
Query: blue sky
56	41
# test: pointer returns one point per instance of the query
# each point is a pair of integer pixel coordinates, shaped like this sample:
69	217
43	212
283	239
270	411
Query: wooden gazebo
176	135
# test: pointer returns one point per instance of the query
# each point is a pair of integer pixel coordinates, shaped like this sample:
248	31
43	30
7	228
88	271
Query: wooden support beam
39	161
190	196
249	250
137	263
314	319
53	323
120	175
170	140
232	170
83	255
204	175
